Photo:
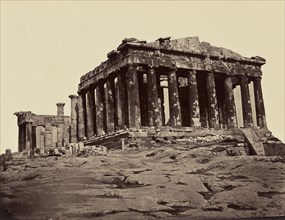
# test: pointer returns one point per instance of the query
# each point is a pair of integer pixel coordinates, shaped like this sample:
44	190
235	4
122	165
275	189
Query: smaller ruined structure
43	131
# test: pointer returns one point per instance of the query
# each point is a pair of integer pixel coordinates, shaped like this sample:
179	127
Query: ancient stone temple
169	83
165	88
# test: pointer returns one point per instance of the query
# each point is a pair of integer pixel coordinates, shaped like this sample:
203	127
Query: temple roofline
133	51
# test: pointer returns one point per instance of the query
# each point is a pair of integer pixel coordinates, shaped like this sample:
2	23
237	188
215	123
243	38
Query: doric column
174	104
154	114
20	138
246	105
38	136
23	137
230	103
73	115
120	101
53	136
60	135
99	110
28	134
60	124
42	137
110	106
81	127
89	114
212	101
66	139
203	104
134	116
193	100
48	134
259	104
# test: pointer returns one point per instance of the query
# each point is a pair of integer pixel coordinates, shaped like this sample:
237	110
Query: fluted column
246	105
174	104
89	114
110	106
134	117
28	134
60	124
23	137
99	110
20	138
48	134
259	104
120	101
212	101
230	103
81	124
154	114
66	139
42	137
73	115
193	100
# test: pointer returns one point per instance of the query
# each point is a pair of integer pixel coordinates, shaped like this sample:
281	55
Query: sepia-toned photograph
142	110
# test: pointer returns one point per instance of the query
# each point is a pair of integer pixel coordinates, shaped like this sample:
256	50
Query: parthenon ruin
155	88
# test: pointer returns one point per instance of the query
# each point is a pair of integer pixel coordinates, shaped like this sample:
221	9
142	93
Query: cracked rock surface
157	183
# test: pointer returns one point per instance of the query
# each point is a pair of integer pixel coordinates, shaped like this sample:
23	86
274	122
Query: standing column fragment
81	127
212	101
60	124
259	104
246	105
134	117
230	104
193	100
73	116
154	110
174	104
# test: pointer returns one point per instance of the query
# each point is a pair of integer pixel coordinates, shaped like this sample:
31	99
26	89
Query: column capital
60	104
173	68
210	73
133	66
73	96
258	78
149	66
192	71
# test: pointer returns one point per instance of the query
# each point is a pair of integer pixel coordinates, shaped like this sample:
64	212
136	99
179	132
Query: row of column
115	103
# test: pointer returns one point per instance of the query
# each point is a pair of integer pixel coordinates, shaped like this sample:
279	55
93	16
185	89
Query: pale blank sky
46	46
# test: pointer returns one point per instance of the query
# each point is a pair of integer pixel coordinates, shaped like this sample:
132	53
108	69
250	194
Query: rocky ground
162	182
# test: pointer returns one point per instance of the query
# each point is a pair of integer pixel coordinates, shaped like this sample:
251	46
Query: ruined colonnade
133	98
